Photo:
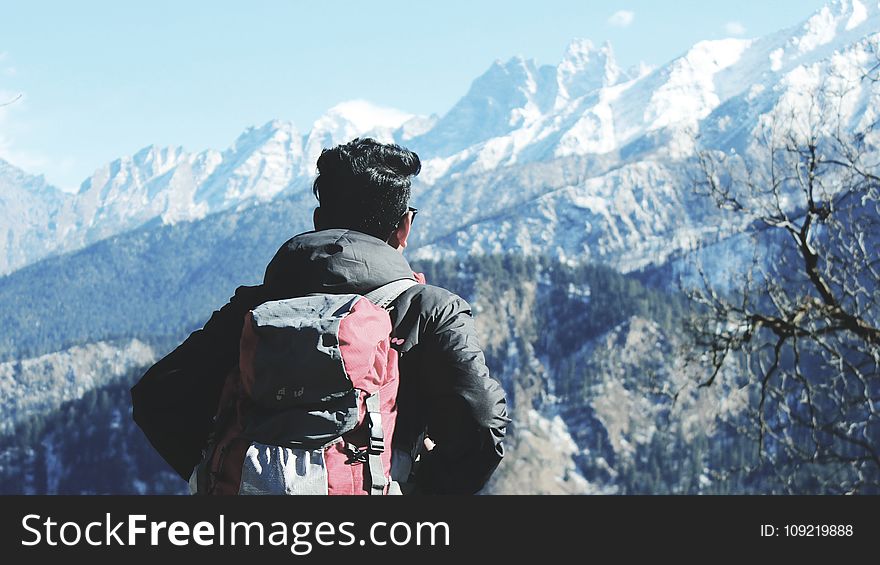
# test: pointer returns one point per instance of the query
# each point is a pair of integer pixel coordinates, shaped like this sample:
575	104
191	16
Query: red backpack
312	406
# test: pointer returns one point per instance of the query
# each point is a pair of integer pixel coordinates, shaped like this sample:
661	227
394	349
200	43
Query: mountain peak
12	176
347	120
503	78
158	157
579	49
835	18
857	9
10	171
365	116
254	137
585	68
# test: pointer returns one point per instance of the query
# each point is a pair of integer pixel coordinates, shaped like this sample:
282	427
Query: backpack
311	408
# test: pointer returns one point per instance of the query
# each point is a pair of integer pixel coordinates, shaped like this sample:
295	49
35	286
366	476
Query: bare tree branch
805	324
10	101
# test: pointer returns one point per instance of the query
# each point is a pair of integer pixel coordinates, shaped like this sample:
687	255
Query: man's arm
468	415
175	401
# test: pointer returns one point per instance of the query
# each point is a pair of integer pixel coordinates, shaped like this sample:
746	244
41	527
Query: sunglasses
413	218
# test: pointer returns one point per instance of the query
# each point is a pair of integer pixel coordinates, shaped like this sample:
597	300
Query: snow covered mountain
518	112
633	205
169	184
515	113
30	210
631	216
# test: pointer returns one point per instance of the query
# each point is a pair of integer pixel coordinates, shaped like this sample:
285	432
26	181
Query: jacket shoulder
436	301
425	309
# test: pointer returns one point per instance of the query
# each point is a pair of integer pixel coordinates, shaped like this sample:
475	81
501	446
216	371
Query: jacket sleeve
175	401
468	412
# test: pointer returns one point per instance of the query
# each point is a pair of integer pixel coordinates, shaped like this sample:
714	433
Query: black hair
365	185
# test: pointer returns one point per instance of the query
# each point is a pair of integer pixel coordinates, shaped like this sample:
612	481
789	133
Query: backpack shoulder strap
381	297
386	294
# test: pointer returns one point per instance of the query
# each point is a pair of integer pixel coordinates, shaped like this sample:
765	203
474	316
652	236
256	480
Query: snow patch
755	91
689	91
818	30
585	69
858	16
776	59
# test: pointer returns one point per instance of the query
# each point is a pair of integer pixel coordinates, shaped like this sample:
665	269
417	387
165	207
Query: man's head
364	185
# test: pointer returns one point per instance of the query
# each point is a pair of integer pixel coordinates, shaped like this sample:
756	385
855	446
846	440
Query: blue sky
103	79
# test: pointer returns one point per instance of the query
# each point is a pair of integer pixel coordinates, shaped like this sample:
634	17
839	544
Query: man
362	226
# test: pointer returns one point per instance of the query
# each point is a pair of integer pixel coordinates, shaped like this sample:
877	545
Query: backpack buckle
377	434
356	455
377	445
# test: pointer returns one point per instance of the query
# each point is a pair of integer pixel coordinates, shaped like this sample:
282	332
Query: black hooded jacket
445	387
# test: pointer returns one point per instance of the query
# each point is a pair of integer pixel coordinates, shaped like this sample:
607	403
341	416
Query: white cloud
622	18
734	28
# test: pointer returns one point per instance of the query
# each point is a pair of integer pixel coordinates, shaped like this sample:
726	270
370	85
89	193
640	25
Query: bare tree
800	327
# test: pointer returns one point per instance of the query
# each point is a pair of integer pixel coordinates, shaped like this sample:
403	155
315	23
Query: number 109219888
807	530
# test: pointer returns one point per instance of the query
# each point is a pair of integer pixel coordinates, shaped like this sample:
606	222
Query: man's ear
398	237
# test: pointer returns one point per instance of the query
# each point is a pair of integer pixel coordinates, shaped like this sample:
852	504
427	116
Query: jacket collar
335	261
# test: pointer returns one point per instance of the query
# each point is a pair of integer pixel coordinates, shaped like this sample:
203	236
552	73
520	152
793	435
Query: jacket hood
335	261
